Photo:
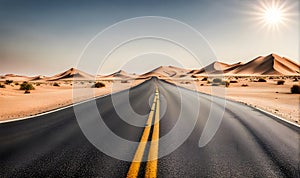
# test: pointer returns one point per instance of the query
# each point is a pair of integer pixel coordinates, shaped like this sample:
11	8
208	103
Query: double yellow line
151	165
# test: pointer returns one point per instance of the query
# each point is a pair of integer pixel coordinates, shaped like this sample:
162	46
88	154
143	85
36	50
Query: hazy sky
47	37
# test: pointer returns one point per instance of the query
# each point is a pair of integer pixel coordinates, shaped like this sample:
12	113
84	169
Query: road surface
248	143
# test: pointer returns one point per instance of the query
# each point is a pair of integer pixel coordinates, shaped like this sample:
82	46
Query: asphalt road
248	143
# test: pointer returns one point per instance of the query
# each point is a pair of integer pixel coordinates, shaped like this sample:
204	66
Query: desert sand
267	96
15	104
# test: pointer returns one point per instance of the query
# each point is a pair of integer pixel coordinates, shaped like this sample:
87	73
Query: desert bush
226	83
98	85
271	78
280	82
244	85
26	91
201	84
204	79
295	89
2	86
26	86
8	82
16	83
217	80
295	79
233	81
56	84
261	80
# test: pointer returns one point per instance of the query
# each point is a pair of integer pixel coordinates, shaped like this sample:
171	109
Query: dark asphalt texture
248	143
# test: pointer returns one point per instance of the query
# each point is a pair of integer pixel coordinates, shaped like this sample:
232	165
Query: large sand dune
71	74
268	65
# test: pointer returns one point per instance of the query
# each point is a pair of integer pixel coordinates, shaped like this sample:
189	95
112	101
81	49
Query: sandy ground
15	104
268	96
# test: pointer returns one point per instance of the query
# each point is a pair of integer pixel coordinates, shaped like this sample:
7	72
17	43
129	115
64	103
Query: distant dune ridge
262	65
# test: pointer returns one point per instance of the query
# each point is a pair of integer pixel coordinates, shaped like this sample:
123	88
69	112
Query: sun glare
273	16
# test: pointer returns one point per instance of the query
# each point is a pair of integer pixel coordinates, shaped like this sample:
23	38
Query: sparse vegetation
204	79
185	82
56	84
280	82
261	80
295	89
226	83
217	80
201	84
98	85
16	83
244	85
26	86
2	86
8	82
27	92
233	81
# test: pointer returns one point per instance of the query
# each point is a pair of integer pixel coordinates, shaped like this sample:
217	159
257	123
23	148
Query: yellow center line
136	162
151	166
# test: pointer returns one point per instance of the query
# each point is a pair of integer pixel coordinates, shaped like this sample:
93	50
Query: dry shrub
295	89
26	86
261	80
280	82
98	85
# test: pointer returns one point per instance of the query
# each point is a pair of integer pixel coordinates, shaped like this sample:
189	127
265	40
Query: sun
273	15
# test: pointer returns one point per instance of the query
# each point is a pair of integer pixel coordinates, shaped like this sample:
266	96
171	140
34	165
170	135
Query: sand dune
262	65
15	77
217	68
167	72
118	75
71	74
268	65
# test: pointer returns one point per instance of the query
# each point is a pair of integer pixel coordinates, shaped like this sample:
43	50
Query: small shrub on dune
16	83
261	80
2	86
56	84
295	89
233	81
217	80
280	82
226	83
244	85
98	85
26	86
8	82
201	84
204	79
26	91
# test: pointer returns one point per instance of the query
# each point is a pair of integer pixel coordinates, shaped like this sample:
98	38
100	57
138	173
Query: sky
47	37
